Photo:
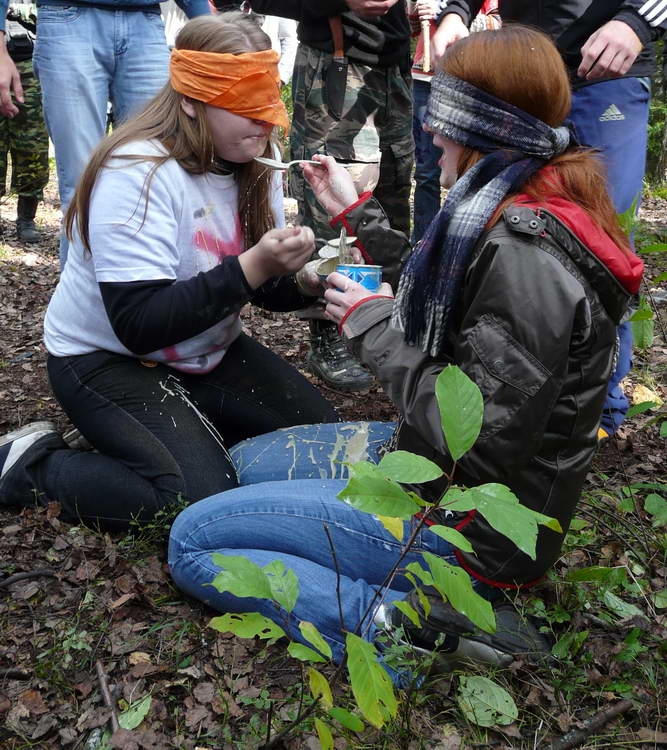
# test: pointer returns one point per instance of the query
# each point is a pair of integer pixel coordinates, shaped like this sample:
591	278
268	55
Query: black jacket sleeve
300	9
464	8
647	20
281	294
150	315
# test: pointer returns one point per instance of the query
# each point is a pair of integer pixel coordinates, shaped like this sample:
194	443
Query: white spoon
275	164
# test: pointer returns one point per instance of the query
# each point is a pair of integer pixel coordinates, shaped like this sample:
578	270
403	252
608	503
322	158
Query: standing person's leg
394	127
153	448
612	116
314	131
353	141
254	391
142	62
427	171
73	60
288	521
5	145
30	155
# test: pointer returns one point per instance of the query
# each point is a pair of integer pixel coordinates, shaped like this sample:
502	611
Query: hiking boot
330	360
26	230
456	641
15	444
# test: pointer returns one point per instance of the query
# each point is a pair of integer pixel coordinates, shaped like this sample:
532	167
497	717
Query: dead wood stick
28	343
106	694
40	573
14	674
575	737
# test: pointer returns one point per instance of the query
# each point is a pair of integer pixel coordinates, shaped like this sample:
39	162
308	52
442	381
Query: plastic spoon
275	164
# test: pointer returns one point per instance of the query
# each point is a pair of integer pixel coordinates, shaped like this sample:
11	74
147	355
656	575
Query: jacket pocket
507	374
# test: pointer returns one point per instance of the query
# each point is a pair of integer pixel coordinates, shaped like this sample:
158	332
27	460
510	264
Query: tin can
368	276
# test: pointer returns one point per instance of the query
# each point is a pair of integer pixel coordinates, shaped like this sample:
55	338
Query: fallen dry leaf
138	657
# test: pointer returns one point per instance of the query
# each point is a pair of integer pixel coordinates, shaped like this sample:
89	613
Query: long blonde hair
185	139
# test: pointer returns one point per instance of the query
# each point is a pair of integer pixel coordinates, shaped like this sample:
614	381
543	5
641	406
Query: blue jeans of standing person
85	57
159	435
286	503
427	171
612	116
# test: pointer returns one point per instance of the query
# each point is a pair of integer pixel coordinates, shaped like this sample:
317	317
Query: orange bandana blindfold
247	84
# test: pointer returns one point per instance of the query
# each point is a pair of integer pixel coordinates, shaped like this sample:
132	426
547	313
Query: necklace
221	166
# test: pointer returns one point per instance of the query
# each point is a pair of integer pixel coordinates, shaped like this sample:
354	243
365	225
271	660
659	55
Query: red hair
522	66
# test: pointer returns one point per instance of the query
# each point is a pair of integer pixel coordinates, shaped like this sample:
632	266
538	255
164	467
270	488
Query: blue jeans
285	520
159	435
612	116
85	57
427	171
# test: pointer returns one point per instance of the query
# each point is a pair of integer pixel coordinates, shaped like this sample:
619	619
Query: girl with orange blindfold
173	229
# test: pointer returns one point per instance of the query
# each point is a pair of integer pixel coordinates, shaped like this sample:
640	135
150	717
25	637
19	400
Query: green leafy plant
379	490
643	318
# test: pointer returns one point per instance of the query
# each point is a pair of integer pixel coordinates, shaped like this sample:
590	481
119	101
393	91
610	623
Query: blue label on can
370	277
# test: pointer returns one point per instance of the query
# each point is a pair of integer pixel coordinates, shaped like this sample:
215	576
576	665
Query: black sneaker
456	641
331	361
16	443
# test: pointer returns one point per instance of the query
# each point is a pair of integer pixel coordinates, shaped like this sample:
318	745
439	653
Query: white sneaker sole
22	439
27	429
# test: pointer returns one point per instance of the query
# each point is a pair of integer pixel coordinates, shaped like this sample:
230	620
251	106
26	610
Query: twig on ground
14	674
595	509
106	694
39	573
576	737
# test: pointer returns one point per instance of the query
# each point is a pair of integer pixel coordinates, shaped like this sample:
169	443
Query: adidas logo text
612	113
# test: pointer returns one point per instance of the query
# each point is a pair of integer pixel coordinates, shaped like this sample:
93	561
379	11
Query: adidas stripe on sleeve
654	12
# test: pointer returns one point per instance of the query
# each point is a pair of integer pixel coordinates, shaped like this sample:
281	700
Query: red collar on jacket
625	266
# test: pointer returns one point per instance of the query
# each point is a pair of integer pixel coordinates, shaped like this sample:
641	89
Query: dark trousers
160	436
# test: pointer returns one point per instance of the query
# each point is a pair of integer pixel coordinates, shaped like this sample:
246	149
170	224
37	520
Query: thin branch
269	720
337	568
301	716
40	573
278	738
657	318
275	741
602	508
14	674
106	694
576	737
386	584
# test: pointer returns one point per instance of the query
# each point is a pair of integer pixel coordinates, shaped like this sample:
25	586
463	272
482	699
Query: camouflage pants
25	137
373	138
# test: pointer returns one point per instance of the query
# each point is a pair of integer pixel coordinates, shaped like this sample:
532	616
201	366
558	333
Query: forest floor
97	613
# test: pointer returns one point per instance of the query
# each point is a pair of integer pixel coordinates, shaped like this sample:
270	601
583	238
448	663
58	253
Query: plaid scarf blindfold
516	145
